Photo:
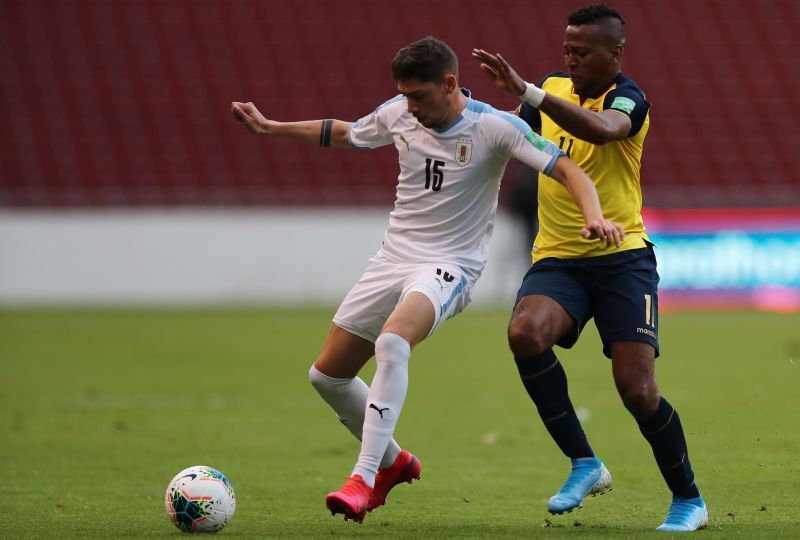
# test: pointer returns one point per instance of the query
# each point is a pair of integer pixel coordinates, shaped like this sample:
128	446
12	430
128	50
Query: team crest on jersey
463	151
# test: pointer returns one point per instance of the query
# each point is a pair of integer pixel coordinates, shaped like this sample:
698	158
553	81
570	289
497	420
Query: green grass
100	408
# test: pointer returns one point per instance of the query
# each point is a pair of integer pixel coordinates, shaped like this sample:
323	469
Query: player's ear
616	51
450	83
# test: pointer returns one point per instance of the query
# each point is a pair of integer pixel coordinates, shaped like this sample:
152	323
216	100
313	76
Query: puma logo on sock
380	411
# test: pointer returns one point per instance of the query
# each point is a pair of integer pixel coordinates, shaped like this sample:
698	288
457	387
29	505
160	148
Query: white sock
348	399
384	403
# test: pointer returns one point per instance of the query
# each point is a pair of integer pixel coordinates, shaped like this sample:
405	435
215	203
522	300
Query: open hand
607	231
249	115
502	74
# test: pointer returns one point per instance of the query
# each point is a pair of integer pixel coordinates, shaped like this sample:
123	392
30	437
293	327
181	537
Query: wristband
532	95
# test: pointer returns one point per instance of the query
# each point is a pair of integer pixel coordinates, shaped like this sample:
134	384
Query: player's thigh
372	299
448	290
412	319
633	366
552	306
343	353
625	299
538	322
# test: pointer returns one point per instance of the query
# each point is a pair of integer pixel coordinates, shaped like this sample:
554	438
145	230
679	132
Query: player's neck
599	89
457	106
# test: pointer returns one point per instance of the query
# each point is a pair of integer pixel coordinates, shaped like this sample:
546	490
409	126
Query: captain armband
533	95
325	133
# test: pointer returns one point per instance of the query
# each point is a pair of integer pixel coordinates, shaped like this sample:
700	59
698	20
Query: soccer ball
200	499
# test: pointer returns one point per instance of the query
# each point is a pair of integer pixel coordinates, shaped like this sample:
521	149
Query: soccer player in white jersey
452	153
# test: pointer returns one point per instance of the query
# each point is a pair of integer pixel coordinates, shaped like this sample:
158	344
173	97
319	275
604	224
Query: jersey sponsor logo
407	142
536	140
623	104
463	151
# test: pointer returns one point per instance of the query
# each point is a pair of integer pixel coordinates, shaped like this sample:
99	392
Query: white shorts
385	284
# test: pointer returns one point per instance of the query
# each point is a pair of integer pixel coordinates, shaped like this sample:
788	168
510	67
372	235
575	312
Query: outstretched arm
316	132
596	128
583	191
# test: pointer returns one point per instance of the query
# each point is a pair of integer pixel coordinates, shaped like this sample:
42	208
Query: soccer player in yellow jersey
599	117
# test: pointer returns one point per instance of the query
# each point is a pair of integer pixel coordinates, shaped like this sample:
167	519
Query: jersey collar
458	118
614	81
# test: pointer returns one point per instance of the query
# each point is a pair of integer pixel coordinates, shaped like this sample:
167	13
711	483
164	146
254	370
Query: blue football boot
685	515
588	477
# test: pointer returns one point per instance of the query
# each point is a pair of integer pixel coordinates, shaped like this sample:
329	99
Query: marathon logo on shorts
647	332
463	151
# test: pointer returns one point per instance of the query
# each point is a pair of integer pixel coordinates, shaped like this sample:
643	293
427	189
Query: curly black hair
593	14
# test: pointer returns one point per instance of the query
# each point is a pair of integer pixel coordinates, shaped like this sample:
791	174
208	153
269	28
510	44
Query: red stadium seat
127	103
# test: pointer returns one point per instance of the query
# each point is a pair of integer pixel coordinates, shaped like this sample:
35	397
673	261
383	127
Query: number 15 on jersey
434	174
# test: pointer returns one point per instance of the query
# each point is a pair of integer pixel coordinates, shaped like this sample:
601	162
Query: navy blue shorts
620	291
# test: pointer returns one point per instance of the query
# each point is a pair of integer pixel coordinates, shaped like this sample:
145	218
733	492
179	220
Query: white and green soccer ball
200	499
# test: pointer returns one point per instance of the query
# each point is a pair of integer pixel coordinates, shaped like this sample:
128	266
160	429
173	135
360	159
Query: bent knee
538	323
526	339
641	401
315	376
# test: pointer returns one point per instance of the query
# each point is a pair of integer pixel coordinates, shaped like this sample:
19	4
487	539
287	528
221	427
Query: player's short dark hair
592	14
426	60
600	14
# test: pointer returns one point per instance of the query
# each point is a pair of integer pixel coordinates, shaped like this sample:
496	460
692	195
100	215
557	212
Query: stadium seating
126	103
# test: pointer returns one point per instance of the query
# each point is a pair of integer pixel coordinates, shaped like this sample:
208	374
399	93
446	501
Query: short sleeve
629	100
531	116
516	139
371	131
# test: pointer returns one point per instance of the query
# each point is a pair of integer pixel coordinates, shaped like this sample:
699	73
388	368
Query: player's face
428	102
591	58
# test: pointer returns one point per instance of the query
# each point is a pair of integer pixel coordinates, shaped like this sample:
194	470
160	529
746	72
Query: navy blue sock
664	432
546	383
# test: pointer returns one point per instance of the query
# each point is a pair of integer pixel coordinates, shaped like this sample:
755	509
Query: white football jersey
449	178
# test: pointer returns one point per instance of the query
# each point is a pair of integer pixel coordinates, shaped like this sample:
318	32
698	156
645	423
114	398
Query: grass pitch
100	408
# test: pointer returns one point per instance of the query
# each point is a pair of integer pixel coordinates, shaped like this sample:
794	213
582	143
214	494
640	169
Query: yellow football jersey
614	167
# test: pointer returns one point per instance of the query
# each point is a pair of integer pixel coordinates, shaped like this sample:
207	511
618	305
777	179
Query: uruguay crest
463	151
